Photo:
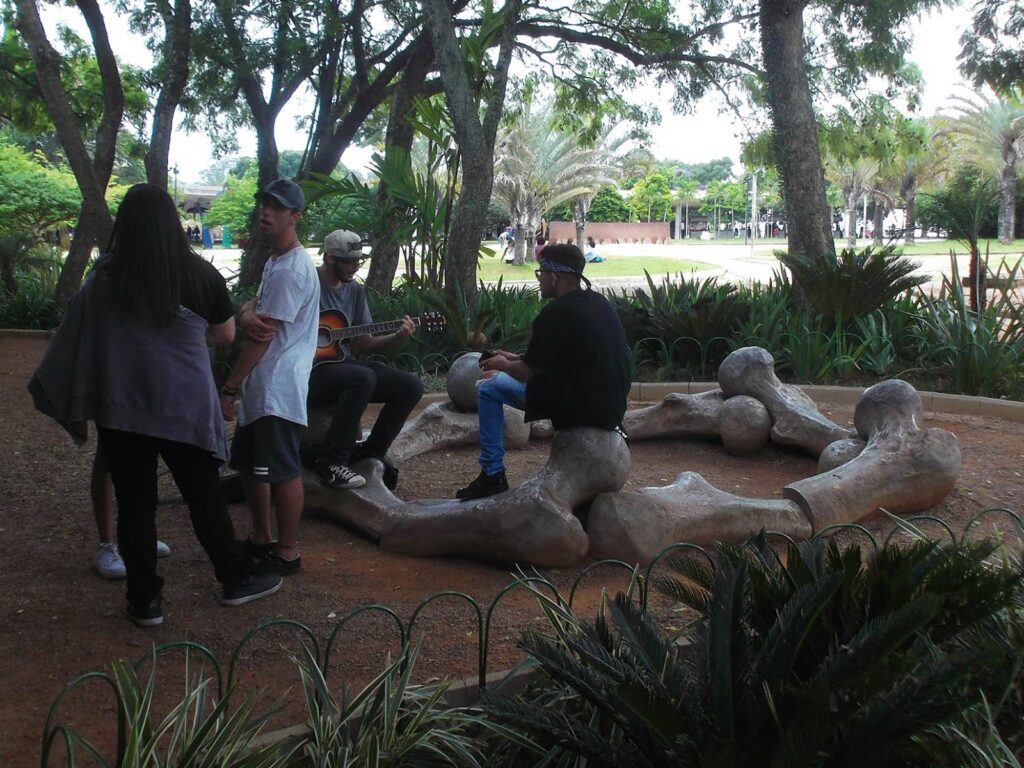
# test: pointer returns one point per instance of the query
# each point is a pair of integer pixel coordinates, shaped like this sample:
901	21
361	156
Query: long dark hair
150	258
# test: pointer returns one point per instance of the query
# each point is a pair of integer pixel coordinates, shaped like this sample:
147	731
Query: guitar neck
370	329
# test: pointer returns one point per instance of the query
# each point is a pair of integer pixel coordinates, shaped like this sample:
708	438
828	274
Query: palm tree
854	179
993	130
684	194
539	165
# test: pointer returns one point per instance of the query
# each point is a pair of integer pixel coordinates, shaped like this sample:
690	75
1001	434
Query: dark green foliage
853	283
607	206
818	656
684	327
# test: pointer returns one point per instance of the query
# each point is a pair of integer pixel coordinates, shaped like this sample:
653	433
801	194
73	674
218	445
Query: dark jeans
132	458
349	386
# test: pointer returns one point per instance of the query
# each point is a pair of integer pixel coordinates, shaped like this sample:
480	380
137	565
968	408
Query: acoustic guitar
335	330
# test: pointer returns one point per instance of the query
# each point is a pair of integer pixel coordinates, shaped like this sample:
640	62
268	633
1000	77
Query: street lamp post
174	170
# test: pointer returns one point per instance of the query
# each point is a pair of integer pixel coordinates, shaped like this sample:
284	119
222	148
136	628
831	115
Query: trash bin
225	237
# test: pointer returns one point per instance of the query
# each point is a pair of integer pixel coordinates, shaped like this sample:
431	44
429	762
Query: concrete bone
460	383
678	415
634	526
360	509
441	425
903	468
530	524
795	418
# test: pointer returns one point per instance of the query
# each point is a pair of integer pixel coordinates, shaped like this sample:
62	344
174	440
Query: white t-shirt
277	386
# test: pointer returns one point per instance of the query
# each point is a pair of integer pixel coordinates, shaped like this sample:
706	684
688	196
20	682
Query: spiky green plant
389	722
820	656
200	729
843	287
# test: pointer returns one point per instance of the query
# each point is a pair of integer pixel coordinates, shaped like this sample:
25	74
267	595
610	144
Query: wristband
229	391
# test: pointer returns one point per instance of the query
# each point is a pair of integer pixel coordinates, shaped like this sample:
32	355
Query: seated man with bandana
575	370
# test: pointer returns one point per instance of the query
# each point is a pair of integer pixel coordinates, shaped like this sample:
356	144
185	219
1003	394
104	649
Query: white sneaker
109	563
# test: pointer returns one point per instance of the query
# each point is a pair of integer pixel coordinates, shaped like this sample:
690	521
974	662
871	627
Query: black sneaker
275	565
484	485
256	551
252	587
148	615
339	476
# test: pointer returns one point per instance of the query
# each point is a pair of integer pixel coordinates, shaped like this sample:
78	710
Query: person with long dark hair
131	355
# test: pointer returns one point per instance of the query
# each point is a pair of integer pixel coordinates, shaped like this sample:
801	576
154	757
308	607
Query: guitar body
327	349
334	330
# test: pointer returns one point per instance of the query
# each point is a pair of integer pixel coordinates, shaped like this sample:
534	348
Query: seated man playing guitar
346	384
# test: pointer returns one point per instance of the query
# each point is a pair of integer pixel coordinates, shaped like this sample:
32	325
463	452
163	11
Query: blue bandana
553	266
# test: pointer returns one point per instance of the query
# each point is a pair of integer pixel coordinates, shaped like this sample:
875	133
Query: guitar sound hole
323	337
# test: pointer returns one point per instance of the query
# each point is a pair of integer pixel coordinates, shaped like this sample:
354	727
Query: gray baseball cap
286	192
344	244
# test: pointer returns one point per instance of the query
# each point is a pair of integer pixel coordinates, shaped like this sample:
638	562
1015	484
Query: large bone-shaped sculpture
532	523
361	509
440	425
903	468
677	415
795	419
634	526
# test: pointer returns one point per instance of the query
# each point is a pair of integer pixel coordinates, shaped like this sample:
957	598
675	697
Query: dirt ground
58	618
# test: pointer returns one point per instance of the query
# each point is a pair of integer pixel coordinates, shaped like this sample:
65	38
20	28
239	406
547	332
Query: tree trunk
879	222
909	214
399	136
175	55
1007	196
257	248
91	174
580	209
795	128
519	250
475	137
851	223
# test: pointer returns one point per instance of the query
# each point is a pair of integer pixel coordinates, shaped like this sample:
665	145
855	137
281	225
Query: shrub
852	284
819	656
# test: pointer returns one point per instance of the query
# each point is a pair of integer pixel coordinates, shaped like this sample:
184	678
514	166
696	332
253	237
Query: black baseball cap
286	192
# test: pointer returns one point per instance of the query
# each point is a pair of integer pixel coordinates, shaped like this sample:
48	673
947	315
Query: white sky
701	136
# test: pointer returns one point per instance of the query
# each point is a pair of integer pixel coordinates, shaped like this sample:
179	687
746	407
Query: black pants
349	386
132	459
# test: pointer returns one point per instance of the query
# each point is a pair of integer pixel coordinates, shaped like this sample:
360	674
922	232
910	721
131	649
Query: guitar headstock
433	321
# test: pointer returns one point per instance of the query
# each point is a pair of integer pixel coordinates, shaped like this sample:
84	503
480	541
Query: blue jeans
491	394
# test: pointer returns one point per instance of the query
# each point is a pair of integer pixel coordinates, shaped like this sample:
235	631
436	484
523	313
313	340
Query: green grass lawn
490	269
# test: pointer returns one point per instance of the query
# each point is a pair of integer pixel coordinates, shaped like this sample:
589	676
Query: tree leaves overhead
991	51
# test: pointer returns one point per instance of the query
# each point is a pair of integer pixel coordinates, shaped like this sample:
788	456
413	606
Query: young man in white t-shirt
271	375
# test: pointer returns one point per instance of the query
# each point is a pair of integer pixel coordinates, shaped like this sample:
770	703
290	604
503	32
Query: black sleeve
545	339
212	301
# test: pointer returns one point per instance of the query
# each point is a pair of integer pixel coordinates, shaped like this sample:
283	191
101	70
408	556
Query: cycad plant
816	656
853	283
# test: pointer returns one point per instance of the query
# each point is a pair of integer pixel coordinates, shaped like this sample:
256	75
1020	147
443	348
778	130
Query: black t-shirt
212	301
580	363
209	299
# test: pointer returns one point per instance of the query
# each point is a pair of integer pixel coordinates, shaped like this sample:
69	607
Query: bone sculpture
530	523
903	468
440	425
360	509
795	419
634	526
676	416
460	384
